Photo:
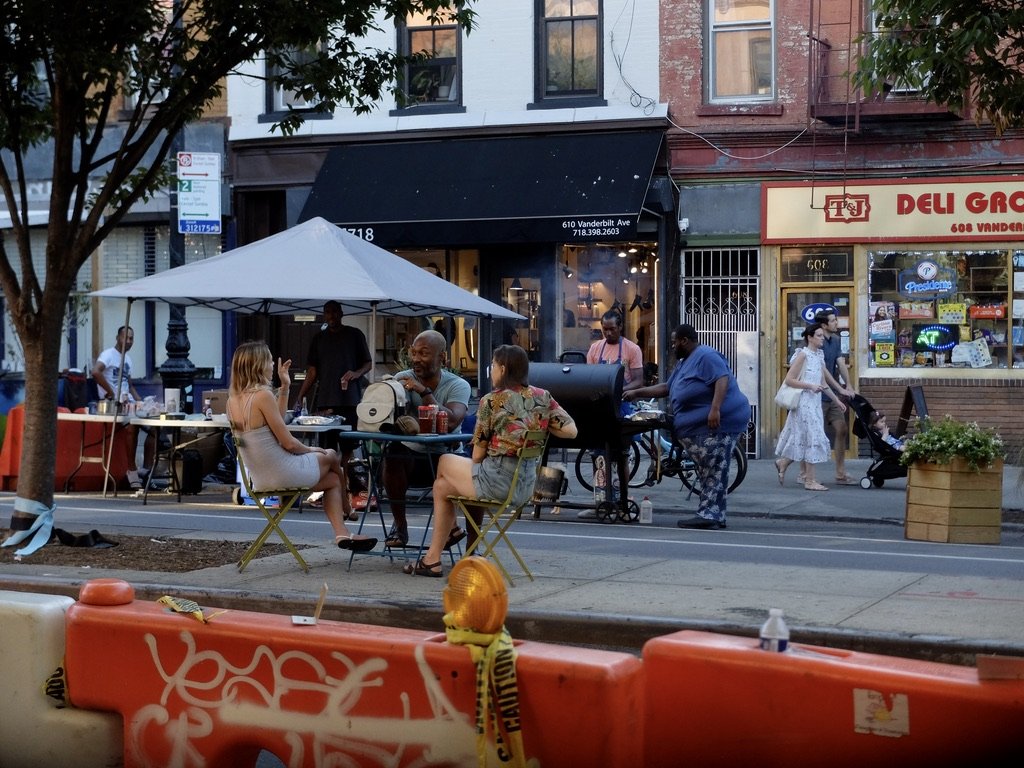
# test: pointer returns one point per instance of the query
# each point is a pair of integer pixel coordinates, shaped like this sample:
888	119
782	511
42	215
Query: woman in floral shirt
505	415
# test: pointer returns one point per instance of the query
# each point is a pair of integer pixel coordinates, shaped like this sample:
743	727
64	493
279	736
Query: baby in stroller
886	447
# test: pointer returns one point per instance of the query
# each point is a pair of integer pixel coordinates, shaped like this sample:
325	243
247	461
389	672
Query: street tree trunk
42	369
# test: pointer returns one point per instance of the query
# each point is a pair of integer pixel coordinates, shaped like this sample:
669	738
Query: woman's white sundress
803	437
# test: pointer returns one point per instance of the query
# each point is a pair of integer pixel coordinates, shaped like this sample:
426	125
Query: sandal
397	539
781	470
424	569
356	545
454	537
815	487
845	480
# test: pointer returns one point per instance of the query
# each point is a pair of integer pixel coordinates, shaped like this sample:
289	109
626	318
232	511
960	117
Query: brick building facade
869	203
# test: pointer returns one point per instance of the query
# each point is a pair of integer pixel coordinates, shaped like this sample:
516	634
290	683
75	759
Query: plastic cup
426	419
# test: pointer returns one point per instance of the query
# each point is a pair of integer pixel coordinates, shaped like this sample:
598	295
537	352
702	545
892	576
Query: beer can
442	422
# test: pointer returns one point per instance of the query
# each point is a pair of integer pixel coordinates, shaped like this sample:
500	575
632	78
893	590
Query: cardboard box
218	399
988	311
916	310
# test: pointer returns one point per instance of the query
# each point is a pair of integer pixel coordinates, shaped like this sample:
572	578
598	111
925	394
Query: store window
434	78
741	52
614	276
941	309
570	48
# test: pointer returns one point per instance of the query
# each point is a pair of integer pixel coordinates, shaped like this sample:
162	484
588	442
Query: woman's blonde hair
249	366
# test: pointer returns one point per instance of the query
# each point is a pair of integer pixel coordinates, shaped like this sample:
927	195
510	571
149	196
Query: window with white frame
916	76
741	50
435	77
569	50
139	88
283	99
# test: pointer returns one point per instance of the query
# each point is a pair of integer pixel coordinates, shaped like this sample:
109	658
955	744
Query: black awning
555	188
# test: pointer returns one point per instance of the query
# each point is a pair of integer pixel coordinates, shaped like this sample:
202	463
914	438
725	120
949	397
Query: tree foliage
956	53
64	69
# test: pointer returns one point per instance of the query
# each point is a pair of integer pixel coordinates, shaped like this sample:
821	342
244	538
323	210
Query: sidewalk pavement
588	592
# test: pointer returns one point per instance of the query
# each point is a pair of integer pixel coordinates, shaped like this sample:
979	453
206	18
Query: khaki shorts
832	412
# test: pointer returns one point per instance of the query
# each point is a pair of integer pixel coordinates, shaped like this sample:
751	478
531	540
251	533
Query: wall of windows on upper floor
566	54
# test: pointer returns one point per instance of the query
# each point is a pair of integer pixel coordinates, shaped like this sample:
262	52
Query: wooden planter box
954	503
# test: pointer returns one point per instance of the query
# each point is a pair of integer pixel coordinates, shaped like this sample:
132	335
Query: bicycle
655	456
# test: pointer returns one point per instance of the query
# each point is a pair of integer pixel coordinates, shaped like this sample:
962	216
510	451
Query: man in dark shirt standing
338	359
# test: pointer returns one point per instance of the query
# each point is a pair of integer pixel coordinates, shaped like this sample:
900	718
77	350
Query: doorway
800	307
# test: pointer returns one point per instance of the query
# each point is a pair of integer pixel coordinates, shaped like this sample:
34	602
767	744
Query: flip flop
356	545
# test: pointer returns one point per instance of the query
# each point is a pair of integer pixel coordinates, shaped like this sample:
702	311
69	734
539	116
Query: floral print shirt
506	415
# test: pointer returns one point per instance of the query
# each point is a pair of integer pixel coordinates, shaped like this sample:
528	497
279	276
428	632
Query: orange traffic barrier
715	700
217	691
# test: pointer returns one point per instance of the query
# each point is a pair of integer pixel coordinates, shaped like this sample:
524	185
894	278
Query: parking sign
199	193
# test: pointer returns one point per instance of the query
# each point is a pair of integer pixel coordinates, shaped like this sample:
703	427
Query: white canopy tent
299	269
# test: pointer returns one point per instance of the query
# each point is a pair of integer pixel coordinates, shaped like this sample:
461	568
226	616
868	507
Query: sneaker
587	514
134	481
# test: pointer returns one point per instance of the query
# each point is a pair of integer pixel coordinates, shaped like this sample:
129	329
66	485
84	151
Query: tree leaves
956	53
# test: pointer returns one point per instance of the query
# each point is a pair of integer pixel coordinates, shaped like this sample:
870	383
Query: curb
605	631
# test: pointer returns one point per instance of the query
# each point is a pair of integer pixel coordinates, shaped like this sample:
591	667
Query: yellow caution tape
497	693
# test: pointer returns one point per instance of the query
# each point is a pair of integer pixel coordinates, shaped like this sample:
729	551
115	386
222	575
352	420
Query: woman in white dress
273	456
803	437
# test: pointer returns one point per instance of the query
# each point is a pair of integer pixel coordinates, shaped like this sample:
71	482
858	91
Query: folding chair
491	518
286	499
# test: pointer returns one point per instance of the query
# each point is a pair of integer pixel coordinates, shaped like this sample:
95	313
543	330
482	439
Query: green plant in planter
939	442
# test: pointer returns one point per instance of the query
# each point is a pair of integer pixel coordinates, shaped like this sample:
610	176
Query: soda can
442	422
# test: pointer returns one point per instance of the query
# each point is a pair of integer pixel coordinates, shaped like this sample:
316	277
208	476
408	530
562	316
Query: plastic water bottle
304	411
775	633
208	409
646	511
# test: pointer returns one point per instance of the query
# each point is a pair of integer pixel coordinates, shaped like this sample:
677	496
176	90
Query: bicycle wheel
585	466
688	472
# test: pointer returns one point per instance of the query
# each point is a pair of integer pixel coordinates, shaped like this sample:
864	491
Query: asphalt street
836	563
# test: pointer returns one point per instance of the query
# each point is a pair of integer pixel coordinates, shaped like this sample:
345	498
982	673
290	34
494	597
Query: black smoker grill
591	394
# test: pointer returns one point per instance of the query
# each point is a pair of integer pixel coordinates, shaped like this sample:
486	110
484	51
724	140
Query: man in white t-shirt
107	372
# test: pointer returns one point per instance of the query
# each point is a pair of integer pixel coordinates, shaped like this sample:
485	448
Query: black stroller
885	460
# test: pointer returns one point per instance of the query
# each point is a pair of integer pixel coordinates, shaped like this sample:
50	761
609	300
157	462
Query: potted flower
955	483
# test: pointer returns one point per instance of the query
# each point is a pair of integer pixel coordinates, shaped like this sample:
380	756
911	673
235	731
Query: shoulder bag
787	397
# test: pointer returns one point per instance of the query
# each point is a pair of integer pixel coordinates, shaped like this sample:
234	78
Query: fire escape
835	27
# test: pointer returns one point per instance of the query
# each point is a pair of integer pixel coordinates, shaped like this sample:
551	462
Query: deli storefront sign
937	210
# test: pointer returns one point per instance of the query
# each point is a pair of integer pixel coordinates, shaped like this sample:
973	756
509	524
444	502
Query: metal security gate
719	296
